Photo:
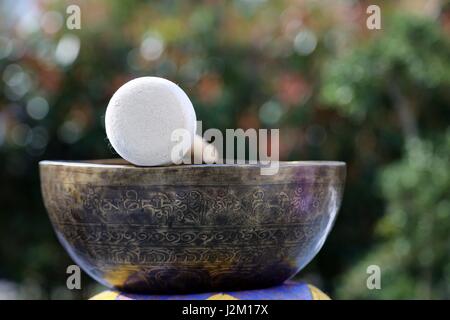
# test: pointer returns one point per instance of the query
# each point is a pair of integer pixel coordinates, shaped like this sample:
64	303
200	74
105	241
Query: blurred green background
377	99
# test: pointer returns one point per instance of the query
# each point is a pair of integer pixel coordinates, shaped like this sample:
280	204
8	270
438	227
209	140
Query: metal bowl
191	228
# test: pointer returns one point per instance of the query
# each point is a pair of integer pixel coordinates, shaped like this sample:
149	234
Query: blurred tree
244	64
398	82
414	253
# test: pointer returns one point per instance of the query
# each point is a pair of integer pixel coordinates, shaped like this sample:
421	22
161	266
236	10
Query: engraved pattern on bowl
191	228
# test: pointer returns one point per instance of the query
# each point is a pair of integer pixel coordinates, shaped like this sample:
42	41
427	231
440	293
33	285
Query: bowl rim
97	163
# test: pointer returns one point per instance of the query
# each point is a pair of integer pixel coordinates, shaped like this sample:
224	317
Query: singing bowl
191	228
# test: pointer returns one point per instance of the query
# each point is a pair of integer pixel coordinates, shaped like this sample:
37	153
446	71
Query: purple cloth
290	290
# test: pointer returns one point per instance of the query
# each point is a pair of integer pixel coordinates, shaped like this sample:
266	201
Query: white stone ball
140	119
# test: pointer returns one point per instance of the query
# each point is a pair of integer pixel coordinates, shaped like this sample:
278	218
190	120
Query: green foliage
398	81
412	55
414	253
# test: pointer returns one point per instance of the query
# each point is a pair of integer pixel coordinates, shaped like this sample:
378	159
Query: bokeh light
305	42
67	50
37	108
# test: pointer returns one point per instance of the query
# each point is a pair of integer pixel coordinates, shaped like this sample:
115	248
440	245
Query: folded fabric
290	290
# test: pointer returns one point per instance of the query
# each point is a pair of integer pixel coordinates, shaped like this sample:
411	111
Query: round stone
141	117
